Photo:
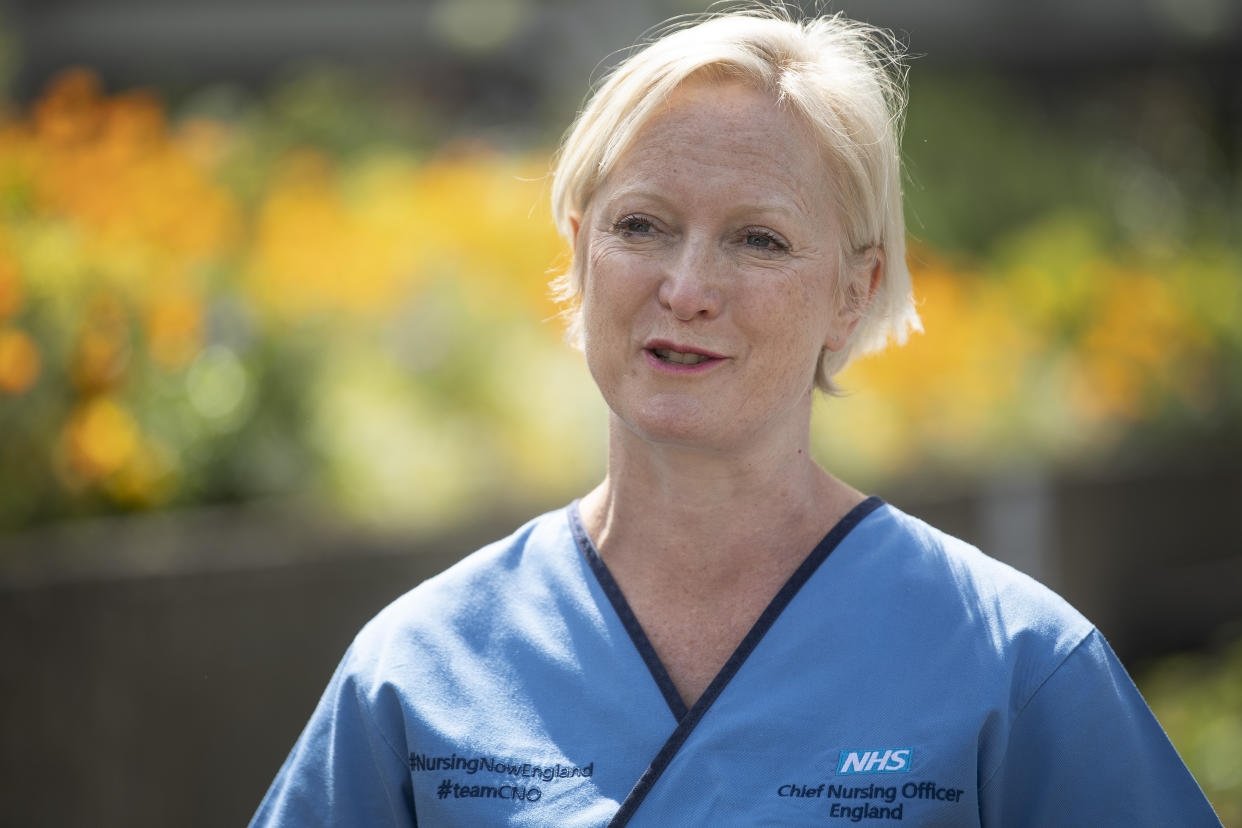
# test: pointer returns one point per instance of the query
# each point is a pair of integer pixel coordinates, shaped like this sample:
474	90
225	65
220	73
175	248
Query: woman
722	633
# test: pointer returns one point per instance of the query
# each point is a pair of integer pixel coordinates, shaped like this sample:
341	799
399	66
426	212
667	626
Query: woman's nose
690	287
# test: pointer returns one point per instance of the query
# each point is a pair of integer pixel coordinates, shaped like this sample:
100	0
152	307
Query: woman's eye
764	241
634	224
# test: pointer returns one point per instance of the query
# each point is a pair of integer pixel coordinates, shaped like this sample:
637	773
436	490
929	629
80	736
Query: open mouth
678	357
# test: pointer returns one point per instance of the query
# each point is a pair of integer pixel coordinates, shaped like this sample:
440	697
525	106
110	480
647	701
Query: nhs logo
880	760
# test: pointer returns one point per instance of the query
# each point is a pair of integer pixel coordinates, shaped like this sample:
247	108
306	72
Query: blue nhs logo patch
879	760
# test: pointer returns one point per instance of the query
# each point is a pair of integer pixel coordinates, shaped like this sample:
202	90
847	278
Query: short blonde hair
845	79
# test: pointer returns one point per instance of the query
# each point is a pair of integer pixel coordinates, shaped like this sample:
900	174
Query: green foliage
1146	158
1198	699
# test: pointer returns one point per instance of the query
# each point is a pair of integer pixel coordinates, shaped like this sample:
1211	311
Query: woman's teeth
680	358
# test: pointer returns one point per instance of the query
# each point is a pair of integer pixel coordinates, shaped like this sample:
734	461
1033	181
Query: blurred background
276	344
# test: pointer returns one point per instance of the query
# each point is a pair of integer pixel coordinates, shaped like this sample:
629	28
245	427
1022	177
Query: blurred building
509	57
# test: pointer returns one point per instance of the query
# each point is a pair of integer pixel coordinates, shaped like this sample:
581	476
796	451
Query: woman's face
710	255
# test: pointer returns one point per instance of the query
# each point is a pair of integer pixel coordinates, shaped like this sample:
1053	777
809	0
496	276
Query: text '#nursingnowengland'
502	767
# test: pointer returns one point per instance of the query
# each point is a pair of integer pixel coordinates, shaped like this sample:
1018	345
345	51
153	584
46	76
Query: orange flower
174	324
133	124
19	361
71	110
103	351
10	285
110	166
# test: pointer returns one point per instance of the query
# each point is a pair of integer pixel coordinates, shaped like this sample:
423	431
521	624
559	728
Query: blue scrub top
900	676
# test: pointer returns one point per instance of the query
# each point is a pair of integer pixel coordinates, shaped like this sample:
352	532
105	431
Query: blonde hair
844	78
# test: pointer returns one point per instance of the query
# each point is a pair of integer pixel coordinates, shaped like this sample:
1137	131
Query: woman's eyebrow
786	208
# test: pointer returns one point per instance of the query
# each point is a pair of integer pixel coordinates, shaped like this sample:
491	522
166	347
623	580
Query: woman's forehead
718	139
729	111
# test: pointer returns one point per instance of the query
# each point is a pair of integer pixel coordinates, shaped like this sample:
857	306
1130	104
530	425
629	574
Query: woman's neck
700	541
679	509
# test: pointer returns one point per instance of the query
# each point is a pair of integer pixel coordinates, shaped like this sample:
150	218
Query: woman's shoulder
485	576
925	552
945	580
512	576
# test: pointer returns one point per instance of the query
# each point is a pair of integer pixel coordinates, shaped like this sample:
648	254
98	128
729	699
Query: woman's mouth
679	357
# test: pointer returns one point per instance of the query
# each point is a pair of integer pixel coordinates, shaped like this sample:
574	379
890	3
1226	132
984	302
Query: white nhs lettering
880	760
853	762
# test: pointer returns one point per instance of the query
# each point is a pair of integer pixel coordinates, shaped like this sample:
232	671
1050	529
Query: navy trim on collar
663	680
687	720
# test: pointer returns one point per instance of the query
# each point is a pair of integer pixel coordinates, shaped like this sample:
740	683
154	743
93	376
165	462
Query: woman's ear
861	285
575	222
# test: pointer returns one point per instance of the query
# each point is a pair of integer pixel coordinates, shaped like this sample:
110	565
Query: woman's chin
682	423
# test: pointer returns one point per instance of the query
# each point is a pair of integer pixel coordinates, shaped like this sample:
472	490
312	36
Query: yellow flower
147	479
100	438
331	244
490	222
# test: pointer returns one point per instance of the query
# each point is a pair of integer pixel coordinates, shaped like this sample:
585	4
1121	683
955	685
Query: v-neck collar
621	606
688	718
